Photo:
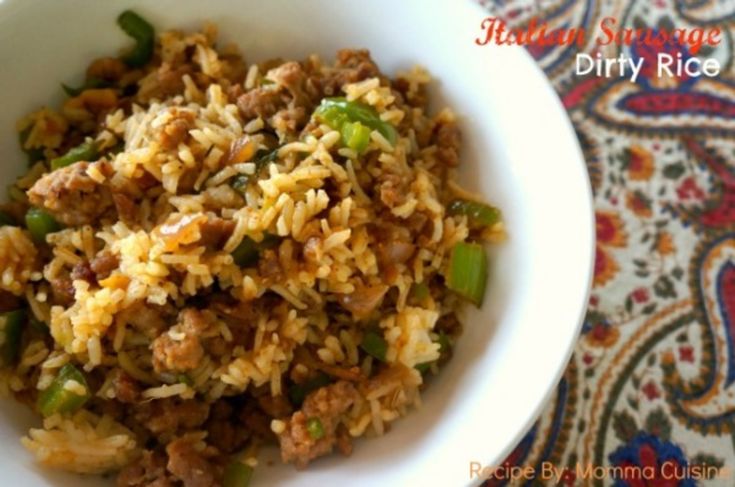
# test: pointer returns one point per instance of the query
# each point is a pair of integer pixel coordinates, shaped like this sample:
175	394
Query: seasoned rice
230	265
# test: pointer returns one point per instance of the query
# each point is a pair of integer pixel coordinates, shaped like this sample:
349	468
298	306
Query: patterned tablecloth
652	379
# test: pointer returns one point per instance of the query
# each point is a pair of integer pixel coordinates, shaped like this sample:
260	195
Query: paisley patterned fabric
652	379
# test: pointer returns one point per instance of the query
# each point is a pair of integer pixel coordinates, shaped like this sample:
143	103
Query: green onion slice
374	344
478	214
468	272
11	329
139	29
40	224
237	474
67	393
315	428
83	152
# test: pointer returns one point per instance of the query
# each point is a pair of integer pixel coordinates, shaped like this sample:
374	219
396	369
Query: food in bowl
206	257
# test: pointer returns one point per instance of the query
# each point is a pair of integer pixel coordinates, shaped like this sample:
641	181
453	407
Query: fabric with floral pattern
652	380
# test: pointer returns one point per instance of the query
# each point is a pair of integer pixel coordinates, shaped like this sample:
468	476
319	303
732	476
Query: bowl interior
520	152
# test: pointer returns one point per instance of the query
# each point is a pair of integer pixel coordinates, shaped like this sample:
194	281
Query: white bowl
520	151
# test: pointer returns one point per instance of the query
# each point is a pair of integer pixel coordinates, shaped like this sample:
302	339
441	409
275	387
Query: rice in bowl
208	256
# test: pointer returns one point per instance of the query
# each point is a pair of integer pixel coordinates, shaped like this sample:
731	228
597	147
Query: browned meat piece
146	181
90	104
125	207
256	422
269	265
225	436
275	406
176	131
186	181
96	269
218	346
415	223
16	209
126	388
352	65
225	432
84	272
169	81
292	119
148	471
227	307
215	231
292	77
450	325
103	264
149	320
62	290
393	190
8	302
176	355
190	465
234	92
71	195
344	441
169	415
233	68
239	317
107	68
260	102
417	99
326	404
446	136
194	321
179	354
359	60
112	408
303	356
